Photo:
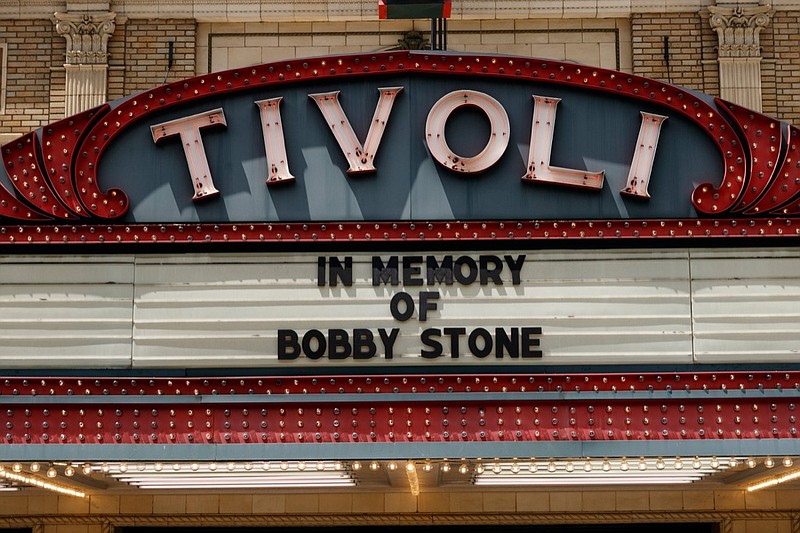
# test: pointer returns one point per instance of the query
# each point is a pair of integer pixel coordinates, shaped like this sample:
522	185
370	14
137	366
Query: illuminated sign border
759	193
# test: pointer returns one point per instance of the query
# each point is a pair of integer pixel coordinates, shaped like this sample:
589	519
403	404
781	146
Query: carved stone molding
726	520
87	58
738	29
87	36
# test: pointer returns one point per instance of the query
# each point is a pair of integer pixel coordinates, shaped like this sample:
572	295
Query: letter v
360	158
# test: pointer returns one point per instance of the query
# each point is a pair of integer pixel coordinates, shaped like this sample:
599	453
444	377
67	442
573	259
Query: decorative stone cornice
87	36
738	29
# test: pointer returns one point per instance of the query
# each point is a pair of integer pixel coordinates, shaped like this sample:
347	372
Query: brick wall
33	47
692	49
139	52
781	67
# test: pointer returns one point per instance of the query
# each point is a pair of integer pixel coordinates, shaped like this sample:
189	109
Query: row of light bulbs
624	465
445	466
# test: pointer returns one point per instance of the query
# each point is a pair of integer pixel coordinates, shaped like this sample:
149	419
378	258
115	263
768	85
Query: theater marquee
403	147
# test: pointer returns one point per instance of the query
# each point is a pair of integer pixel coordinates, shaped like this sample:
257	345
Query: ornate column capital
738	28
87	36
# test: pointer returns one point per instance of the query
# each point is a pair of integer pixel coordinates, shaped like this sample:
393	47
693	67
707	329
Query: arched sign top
626	147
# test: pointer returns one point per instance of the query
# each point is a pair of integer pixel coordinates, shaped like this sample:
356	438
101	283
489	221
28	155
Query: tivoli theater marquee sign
416	213
403	147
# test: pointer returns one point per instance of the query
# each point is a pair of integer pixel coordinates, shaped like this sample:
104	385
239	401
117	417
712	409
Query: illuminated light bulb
355	466
714	463
787	462
141	467
496	468
213	466
445	467
551	466
158	467
105	468
35	467
533	467
232	466
696	464
678	463
249	466
51	472
515	468
321	466
623	465
87	469
751	463
606	465
338	465
587	465
410	466
463	469
177	466
392	466
769	462
123	467
284	465
301	466
732	462
569	467
69	471
16	467
642	464
374	465
427	467
195	467
660	464
479	469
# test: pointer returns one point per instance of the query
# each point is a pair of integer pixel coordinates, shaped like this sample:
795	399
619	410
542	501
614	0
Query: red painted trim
400	232
319	417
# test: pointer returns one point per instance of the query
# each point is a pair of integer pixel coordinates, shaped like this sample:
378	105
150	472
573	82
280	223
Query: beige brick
368	502
550	51
43	504
13	505
499	502
336	503
598	501
632	500
71	528
434	502
462	502
71	505
269	503
532	502
294	40
565	501
302	503
728	499
203	504
586	54
400	502
235	503
169	504
698	500
787	499
104	504
243	57
760	499
136	504
662	500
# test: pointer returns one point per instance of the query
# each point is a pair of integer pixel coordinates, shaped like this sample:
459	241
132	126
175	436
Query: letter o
498	136
394	306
